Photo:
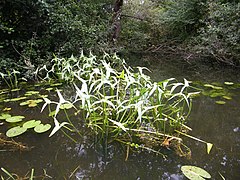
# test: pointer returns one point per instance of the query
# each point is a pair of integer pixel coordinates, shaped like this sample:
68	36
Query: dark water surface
218	124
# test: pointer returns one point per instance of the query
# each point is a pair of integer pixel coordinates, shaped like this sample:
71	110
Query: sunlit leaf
41	128
220	102
66	106
49	89
228	83
5	116
227	97
18	99
31	124
56	84
17	89
14	119
195	173
29	93
7	109
15	131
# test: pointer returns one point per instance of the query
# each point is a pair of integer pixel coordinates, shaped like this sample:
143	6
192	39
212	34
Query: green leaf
5	116
18	99
66	106
29	93
14	119
15	131
228	83
31	124
227	97
195	173
49	89
220	102
56	84
41	128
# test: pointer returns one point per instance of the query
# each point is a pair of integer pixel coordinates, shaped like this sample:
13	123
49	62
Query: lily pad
7	109
17	99
15	131
29	93
41	128
31	102
227	97
228	83
43	95
49	89
220	102
5	116
56	84
195	173
14	119
17	89
66	106
31	124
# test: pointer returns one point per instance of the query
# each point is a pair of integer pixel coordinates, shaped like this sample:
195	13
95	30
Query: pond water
61	158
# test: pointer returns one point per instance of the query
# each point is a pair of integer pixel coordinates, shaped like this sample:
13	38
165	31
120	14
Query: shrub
220	37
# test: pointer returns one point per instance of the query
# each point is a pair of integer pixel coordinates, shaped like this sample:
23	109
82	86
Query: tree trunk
116	24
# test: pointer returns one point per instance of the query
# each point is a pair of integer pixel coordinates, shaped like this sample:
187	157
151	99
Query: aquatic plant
20	127
195	173
124	106
10	78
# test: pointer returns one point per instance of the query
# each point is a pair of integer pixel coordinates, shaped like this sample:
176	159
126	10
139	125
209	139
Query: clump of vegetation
124	106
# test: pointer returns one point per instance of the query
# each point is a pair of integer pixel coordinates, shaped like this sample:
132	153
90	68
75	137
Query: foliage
195	173
31	30
220	36
122	106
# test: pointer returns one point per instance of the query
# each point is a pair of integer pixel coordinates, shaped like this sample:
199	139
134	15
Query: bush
220	37
32	30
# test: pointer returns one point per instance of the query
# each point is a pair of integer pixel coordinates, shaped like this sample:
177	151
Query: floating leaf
228	83
43	95
227	97
29	93
15	131
66	106
13	90
195	173
220	102
31	102
7	109
49	89
216	94
31	124
5	116
41	128
56	84
209	147
208	85
14	119
17	99
217	87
